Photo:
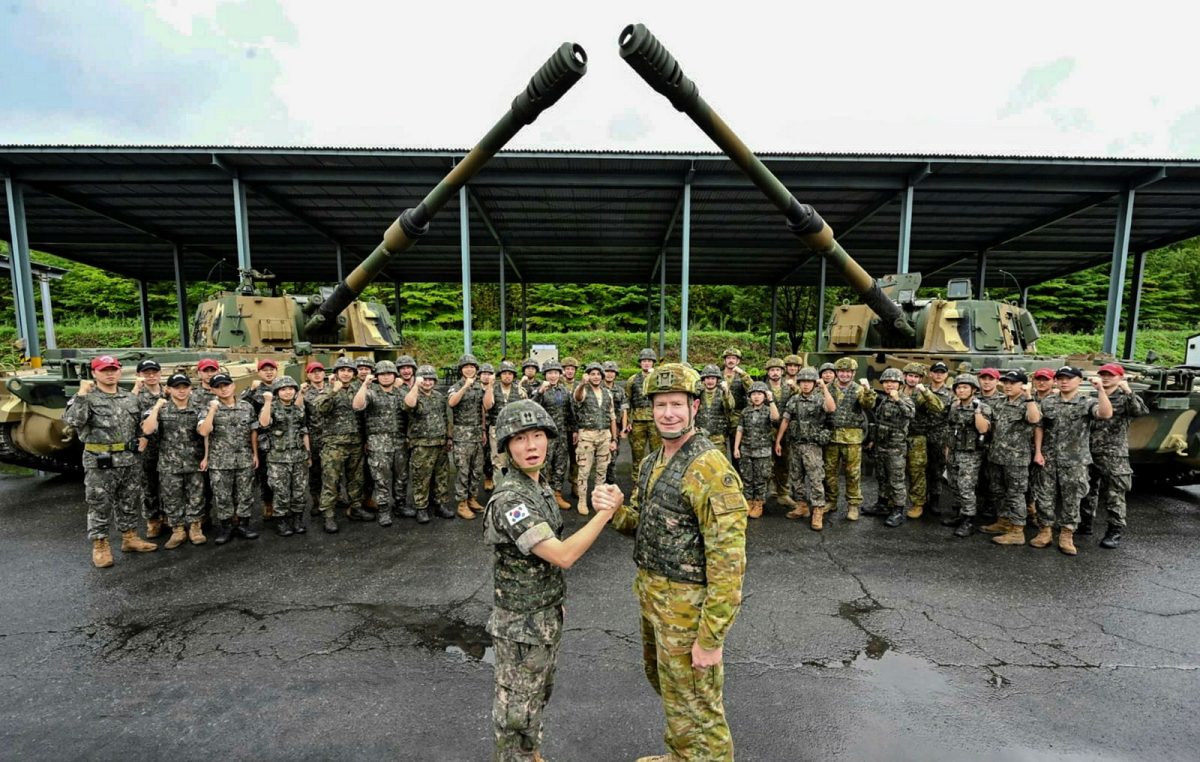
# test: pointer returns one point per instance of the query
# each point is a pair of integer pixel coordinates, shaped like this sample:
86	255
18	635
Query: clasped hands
607	497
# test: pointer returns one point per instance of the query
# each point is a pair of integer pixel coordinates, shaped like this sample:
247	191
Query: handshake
607	497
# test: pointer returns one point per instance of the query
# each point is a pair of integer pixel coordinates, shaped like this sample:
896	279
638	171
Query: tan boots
1001	525
756	509
464	511
1044	537
801	511
196	534
488	484
474	504
818	519
101	554
154	528
916	511
852	512
562	501
1014	535
178	535
1066	541
131	543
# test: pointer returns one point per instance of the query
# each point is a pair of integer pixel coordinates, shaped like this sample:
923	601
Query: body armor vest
383	411
526	583
963	436
286	434
712	418
468	413
428	420
592	413
756	430
668	540
848	414
807	423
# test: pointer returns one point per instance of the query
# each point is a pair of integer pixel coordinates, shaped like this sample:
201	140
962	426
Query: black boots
1085	524
385	517
358	513
895	518
422	515
444	511
406	511
331	526
298	523
224	532
953	519
242	529
283	526
1112	537
965	527
879	509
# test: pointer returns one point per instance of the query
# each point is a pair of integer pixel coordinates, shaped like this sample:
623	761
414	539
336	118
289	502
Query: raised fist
267	396
137	385
920	387
86	386
256	383
865	383
976	404
213	404
337	385
303	388
160	403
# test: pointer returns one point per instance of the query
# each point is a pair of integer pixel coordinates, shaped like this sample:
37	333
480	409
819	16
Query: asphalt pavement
857	643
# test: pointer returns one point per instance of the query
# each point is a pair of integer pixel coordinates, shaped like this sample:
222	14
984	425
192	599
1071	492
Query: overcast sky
1030	78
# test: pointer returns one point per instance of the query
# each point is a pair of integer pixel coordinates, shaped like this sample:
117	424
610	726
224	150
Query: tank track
11	454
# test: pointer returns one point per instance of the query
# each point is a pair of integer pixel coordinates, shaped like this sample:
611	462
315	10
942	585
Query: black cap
1068	372
939	366
146	365
220	380
179	379
1014	374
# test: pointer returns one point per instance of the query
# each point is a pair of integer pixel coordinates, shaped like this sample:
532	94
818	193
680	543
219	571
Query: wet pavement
858	643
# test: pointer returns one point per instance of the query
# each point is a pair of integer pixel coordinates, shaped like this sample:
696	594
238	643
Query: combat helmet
773	362
710	371
647	354
672	377
522	415
593	365
968	379
793	359
915	368
487	368
552	365
284	382
759	386
891	374
807	373
344	362
506	365
610	365
846	363
406	361
529	363
426	371
467	359
568	361
826	366
385	366
364	362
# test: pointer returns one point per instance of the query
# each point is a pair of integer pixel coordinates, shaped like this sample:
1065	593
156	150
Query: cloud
1183	136
1071	119
628	127
1037	85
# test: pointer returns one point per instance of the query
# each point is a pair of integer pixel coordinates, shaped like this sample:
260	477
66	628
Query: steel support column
241	220
144	312
524	323
662	305
774	319
1135	304
1116	273
820	306
464	236
685	267
980	273
649	314
181	296
21	272
503	308
904	244
341	263
47	312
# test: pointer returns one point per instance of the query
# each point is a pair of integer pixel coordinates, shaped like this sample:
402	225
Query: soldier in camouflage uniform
268	371
230	429
171	425
752	445
282	421
717	407
487	379
406	367
523	525
969	420
689	520
497	397
621	402
467	414
341	445
989	394
595	435
893	415
1015	420
313	386
149	390
804	431
529	381
1065	451
205	370
1110	475
556	400
737	381
429	438
780	389
937	436
643	438
570	380
105	417
827	373
1043	385
843	454
791	370
930	416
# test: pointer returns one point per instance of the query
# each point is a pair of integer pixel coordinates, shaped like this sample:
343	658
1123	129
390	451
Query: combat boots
443	511
331	526
406	511
1066	541
895	518
1112	538
464	511
154	528
474	504
582	506
385	517
131	543
966	526
283	527
756	509
562	503
421	515
1014	536
178	535
488	484
242	528
224	532
799	512
1044	537
298	523
101	554
852	512
358	513
916	511
196	533
1084	528
818	519
1002	525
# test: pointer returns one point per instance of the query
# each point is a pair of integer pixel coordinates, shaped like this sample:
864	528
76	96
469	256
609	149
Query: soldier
230	431
805	433
406	367
529	382
1065	452
288	458
524	528
989	394
756	431
611	371
937	435
570	374
341	446
171	425
571	381
105	418
930	414
828	373
556	400
313	386
736	379
268	371
363	368
780	391
429	438
1111	476
1014	420
717	408
689	517
487	379
791	370
642	434
148	390
595	435
969	421
205	370
893	414
843	454
381	403
466	416
495	399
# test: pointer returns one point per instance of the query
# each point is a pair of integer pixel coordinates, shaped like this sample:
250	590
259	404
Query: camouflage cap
487	367
891	374
507	367
344	362
826	366
406	361
915	368
759	386
610	365
647	354
773	362
426	371
793	359
593	365
710	371
966	378
529	363
522	415
846	363
672	377
807	374
284	382
385	366
552	365
732	352
569	361
364	362
467	359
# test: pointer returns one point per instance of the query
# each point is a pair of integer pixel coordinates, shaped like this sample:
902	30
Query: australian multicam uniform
843	454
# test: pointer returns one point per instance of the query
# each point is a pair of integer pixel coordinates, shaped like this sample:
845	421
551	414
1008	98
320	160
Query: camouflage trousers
964	469
341	466
389	472
555	467
692	698
262	479
983	492
916	463
289	486
755	472
499	461
591	450
182	497
610	474
1007	486
935	454
1062	490
839	459
234	492
314	474
430	470
468	462
524	682
110	491
643	440
151	500
806	466
890	460
781	472
1109	480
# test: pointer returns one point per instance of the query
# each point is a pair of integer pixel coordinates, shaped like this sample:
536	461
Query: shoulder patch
517	514
729	481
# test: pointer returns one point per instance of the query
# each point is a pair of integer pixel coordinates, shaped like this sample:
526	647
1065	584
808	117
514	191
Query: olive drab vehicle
237	328
894	324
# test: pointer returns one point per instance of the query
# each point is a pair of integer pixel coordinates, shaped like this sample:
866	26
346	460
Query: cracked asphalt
858	643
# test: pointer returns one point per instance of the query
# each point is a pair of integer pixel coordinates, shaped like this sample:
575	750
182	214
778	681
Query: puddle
853	612
467	642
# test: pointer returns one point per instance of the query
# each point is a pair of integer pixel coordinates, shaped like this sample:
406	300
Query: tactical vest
757	434
286	434
668	540
891	425
937	426
807	422
639	403
180	446
339	419
500	399
526	583
428	422
963	436
592	413
848	414
383	411
556	400
713	417
468	413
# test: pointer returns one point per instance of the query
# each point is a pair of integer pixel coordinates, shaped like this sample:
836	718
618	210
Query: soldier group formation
1014	452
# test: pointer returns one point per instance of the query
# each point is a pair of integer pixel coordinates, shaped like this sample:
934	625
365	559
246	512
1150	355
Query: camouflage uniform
261	478
180	450
151	500
757	440
107	424
967	454
1110	475
690	548
844	451
806	436
983	491
621	406
594	421
467	419
892	419
937	439
500	398
557	402
287	459
428	435
1066	446
526	622
780	464
316	441
387	457
341	447
643	437
717	414
1008	458
930	416
231	461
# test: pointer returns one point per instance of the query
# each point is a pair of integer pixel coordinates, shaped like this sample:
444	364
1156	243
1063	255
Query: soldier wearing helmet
689	520
570	381
282	421
466	417
804	432
791	368
149	389
429	440
621	403
643	437
843	454
930	416
523	526
969	420
752	444
893	413
496	397
381	402
487	379
781	389
529	380
718	411
595	435
937	437
827	373
556	399
570	372
312	387
342	451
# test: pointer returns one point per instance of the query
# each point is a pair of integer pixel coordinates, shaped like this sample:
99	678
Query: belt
117	447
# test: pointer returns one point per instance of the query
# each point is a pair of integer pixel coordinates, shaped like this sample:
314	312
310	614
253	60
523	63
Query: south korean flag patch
518	514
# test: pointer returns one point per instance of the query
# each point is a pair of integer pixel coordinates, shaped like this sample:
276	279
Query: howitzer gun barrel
655	64
548	84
